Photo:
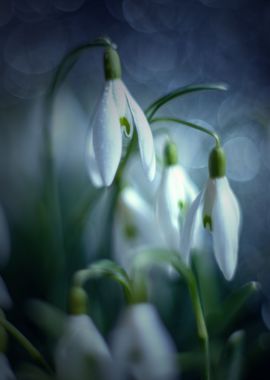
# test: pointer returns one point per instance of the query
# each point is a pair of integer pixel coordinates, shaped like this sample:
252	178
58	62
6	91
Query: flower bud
112	65
170	154
78	301
217	163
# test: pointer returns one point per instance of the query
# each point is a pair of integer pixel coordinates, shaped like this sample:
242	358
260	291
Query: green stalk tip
170	154
78	301
112	64
217	163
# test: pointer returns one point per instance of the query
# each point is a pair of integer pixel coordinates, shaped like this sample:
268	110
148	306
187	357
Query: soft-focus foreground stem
198	311
28	346
201	325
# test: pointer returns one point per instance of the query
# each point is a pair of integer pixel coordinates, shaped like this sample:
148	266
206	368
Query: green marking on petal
130	231
181	205
207	222
126	126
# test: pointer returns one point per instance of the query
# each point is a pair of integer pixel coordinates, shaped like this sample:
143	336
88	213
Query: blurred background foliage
164	44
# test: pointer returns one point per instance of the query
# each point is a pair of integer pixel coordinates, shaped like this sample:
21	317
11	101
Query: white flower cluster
180	209
140	348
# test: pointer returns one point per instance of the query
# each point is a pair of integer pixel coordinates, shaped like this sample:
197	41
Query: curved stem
28	346
154	107
70	59
189	124
104	268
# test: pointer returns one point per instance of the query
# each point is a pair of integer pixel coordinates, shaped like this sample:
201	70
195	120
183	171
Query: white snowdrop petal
135	227
226	224
107	136
189	228
91	162
145	137
119	96
191	190
169	196
141	346
82	350
120	99
209	197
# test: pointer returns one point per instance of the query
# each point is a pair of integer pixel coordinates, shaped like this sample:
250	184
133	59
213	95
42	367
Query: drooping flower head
174	197
135	226
141	346
216	208
116	117
81	353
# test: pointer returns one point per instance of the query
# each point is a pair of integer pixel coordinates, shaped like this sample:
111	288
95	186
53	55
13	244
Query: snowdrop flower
141	346
217	209
117	114
81	352
174	197
135	227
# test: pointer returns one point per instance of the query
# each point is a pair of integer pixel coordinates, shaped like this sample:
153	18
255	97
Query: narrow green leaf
232	360
221	318
25	343
32	372
50	319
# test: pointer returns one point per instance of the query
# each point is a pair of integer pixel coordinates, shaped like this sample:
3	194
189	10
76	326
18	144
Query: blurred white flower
81	352
174	197
141	346
117	112
6	372
216	207
135	227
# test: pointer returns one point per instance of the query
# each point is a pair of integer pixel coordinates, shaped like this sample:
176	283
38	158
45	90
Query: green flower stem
28	346
161	256
50	199
198	312
154	107
188	124
105	268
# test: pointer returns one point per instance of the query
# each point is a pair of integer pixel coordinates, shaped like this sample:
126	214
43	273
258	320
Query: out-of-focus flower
220	214
6	372
81	353
116	113
141	346
174	197
135	227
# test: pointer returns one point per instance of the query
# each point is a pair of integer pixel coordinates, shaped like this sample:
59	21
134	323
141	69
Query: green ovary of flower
207	222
